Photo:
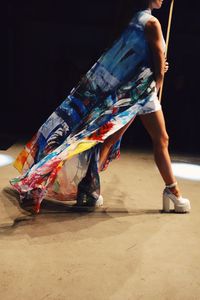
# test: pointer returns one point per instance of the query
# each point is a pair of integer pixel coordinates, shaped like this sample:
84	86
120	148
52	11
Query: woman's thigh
117	135
154	123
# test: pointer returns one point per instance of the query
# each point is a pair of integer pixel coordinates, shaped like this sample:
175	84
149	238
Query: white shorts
151	106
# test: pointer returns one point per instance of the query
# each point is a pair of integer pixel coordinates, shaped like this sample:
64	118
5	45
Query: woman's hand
166	68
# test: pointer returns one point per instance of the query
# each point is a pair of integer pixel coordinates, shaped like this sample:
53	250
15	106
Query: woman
81	137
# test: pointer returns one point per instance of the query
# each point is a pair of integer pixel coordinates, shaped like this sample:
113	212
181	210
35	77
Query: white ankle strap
169	186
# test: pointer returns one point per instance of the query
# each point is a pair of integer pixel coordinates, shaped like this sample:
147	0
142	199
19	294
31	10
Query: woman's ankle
176	191
173	187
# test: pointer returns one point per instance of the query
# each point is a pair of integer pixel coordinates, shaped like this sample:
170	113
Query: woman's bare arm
154	37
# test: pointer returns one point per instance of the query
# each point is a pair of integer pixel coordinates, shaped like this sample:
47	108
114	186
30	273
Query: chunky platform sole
86	200
99	201
180	206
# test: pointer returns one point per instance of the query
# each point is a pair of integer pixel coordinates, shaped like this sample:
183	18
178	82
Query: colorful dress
61	159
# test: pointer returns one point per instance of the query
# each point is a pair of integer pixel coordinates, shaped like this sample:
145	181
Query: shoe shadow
51	208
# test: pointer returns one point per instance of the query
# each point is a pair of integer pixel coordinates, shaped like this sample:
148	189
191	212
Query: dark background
49	45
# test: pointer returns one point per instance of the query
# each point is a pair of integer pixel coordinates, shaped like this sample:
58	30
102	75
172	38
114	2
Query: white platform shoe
91	201
85	199
181	205
99	201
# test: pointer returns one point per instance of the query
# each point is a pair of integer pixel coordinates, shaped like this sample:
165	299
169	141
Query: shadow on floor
50	209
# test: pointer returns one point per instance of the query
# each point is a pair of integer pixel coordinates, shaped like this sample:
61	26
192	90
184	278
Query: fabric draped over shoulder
63	154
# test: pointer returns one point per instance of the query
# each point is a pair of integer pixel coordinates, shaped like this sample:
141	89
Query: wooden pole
167	41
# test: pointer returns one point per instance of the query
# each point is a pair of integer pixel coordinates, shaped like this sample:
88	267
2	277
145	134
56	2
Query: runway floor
126	250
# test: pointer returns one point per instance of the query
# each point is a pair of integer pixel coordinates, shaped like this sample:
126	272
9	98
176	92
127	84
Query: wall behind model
52	44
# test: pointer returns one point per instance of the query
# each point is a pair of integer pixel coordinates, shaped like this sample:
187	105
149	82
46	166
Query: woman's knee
161	141
112	139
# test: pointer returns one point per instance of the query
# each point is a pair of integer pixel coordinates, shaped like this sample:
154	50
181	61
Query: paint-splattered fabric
62	157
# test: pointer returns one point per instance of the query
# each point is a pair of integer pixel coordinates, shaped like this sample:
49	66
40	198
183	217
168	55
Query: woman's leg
110	141
88	190
155	125
90	184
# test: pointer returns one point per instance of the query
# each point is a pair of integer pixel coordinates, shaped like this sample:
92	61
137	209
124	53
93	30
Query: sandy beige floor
127	250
